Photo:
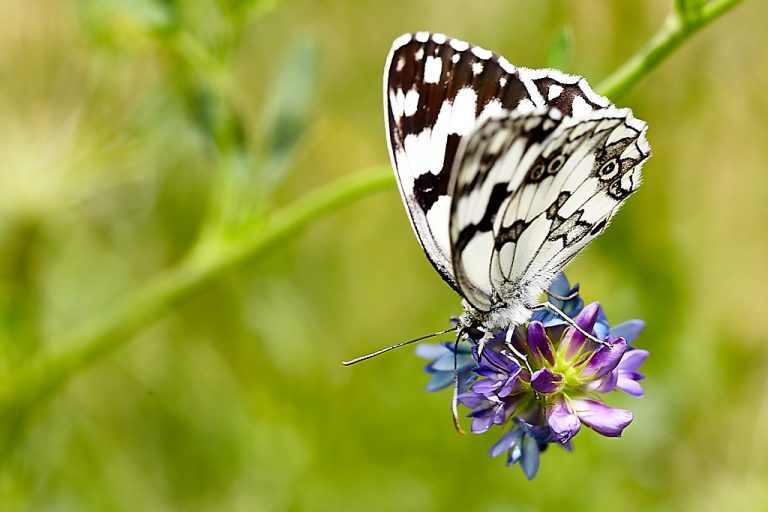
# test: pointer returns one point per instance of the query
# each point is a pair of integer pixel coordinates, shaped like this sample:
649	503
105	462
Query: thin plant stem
113	328
676	29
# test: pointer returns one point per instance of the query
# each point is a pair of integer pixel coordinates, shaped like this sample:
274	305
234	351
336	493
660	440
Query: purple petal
546	382
604	360
482	420
606	420
633	359
575	340
606	384
472	400
538	343
631	375
490	357
486	387
511	364
629	330
562	420
588	316
490	372
629	386
508	387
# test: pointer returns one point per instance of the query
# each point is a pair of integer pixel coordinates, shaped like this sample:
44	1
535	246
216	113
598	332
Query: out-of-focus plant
197	43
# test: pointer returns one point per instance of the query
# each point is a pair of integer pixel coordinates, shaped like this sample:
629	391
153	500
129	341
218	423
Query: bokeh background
129	127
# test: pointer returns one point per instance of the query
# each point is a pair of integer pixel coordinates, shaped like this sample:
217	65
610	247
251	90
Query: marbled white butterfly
506	173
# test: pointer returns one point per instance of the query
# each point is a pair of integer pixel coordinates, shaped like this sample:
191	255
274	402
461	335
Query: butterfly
506	172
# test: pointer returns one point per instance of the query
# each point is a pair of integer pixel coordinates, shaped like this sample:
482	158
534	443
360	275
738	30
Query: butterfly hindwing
490	164
557	182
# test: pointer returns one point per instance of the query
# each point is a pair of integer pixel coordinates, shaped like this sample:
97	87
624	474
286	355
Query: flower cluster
544	380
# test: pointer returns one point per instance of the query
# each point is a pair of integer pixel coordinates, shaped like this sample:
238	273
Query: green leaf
560	47
288	111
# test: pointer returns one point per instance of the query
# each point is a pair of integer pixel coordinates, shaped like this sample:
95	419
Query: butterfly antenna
455	400
393	347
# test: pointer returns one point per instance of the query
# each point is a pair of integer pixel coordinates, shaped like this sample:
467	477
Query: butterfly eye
555	164
609	169
537	172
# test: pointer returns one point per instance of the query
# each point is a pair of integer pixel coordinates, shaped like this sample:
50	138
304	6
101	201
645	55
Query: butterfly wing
435	89
531	190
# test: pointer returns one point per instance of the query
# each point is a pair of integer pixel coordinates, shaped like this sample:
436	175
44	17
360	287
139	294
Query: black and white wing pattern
435	90
506	173
530	190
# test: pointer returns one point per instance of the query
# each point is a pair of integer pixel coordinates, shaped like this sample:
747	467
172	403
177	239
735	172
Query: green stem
112	328
676	29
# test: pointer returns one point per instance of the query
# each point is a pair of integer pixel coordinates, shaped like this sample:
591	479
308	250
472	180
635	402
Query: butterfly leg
487	336
455	400
507	341
562	298
556	310
510	346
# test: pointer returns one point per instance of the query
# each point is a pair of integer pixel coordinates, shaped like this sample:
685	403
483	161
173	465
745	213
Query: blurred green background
129	127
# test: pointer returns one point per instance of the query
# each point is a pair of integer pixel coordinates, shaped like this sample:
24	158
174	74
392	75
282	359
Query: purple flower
549	381
625	376
494	397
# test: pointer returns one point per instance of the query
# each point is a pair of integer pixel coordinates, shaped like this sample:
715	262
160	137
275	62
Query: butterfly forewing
490	164
434	90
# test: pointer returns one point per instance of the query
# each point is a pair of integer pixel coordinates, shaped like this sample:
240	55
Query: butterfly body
506	173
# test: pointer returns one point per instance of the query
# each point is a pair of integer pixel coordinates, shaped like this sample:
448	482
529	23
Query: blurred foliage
560	48
138	133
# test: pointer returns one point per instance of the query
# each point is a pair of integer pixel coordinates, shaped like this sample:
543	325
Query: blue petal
529	461
629	330
444	363
507	441
560	285
439	381
430	350
602	331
